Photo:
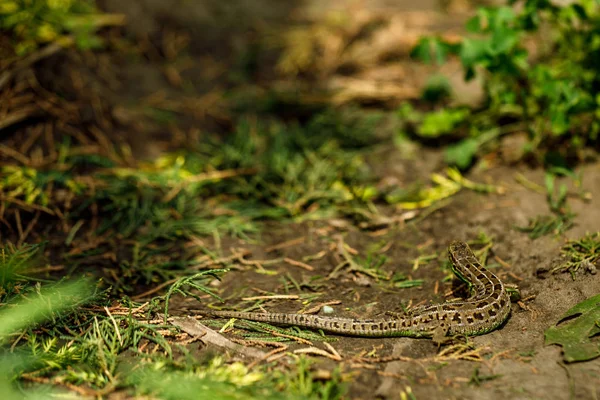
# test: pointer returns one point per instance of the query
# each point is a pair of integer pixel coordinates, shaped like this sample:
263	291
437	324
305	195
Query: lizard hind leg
440	335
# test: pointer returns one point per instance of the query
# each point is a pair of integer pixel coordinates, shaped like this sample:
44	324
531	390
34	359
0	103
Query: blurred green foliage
549	90
33	23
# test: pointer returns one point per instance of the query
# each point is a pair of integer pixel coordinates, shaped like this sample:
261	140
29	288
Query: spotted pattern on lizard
487	307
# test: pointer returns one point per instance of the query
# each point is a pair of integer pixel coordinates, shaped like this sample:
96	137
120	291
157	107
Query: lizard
486	308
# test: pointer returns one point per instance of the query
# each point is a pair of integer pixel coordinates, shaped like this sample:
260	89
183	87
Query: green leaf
472	52
580	11
503	41
431	49
441	122
462	153
45	305
8	7
407	112
436	88
501	17
559	122
473	25
575	330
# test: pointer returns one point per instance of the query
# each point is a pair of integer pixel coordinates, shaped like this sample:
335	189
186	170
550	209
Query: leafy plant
581	253
40	305
192	282
575	331
37	22
444	188
562	217
551	92
260	171
304	383
15	265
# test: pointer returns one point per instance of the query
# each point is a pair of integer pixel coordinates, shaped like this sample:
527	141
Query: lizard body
487	308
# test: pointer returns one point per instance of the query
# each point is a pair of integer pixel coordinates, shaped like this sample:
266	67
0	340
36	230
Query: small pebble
327	310
589	267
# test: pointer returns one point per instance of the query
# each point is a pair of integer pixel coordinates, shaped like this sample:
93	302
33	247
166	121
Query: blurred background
311	148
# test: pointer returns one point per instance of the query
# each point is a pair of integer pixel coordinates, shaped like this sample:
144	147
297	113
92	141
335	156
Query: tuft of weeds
216	380
300	168
402	282
370	266
548	91
134	203
543	225
191	282
219	380
561	219
477	378
36	303
303	382
21	184
15	265
92	357
33	23
33	307
261	171
445	187
580	253
30	300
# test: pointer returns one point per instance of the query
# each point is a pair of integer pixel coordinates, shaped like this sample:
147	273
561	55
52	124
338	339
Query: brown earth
524	368
515	356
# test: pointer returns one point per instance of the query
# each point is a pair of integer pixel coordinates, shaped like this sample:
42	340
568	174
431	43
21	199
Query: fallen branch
194	328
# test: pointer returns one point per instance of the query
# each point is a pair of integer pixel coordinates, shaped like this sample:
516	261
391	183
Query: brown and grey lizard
487	308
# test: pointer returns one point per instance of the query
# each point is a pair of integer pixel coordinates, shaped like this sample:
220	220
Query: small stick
287	243
272	297
299	264
319	352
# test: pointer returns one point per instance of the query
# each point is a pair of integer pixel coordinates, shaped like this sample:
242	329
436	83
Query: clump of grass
216	380
132	207
549	92
316	166
27	307
443	188
92	356
84	347
29	185
50	303
219	380
33	23
402	281
371	265
561	218
581	253
30	301
302	382
261	171
183	285
543	225
15	265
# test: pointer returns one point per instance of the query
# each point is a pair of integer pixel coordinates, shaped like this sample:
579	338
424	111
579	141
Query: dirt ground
511	362
515	355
